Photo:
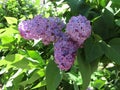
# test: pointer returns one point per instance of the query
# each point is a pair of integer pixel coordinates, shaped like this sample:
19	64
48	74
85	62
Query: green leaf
72	77
85	70
103	3
93	50
117	22
117	2
25	63
7	39
115	44
2	30
99	84
8	35
53	76
1	25
41	84
36	56
8	31
22	52
76	86
7	61
111	52
17	80
19	61
37	3
94	65
31	80
41	72
3	62
78	7
11	20
104	25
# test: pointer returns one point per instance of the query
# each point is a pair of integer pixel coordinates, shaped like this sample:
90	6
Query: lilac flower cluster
50	30
46	29
33	29
65	52
79	29
53	30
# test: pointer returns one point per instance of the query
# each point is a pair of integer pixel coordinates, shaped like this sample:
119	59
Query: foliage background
27	65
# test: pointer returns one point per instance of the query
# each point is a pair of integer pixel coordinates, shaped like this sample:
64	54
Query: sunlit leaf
99	84
7	39
11	20
40	84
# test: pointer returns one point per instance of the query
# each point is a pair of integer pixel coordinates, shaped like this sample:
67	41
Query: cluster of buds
78	29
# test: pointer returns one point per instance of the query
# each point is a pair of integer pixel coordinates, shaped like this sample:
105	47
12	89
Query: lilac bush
50	30
79	29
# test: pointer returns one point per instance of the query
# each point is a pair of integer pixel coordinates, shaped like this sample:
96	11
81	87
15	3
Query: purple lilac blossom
25	29
40	25
34	28
79	29
46	29
53	31
65	52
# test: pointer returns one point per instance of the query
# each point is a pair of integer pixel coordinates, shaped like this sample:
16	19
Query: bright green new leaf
99	84
11	20
53	76
2	30
36	56
41	84
7	39
103	3
8	32
37	3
